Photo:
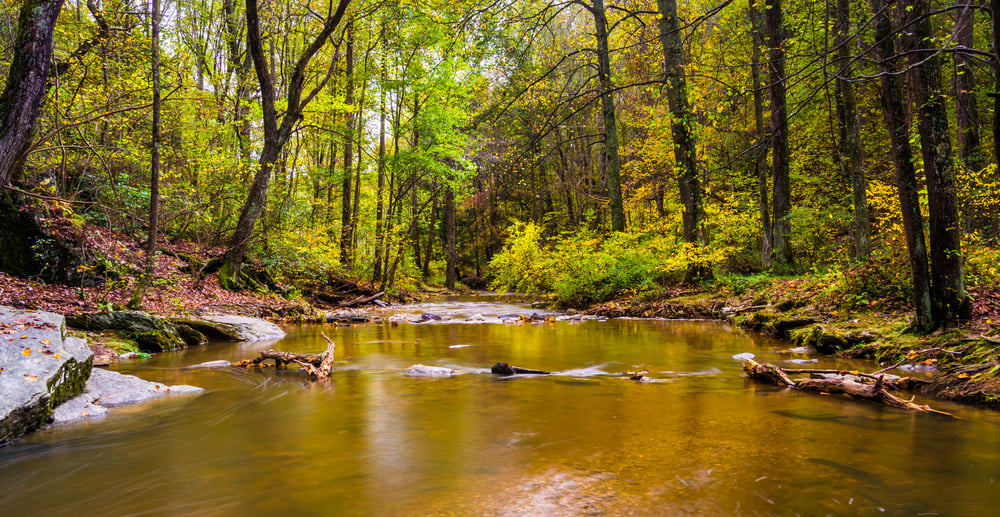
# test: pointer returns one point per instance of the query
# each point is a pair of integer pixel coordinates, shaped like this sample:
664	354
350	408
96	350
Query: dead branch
874	392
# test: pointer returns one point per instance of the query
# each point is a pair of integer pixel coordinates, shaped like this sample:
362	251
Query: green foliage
522	265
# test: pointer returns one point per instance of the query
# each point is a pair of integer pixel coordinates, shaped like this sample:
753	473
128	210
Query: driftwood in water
505	369
362	300
874	392
318	366
325	368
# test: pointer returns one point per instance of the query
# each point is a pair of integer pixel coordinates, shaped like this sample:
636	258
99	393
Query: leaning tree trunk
685	153
760	139
25	87
902	158
850	150
613	167
275	135
949	298
781	197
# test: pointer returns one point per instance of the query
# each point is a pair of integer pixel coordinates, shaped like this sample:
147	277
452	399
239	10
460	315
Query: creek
699	439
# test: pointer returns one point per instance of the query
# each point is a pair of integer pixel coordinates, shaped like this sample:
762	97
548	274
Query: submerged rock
107	389
40	369
429	317
151	333
233	328
420	370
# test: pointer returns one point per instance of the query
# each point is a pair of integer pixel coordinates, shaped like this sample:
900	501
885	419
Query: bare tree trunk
851	153
616	203
949	298
346	228
685	153
995	13
25	87
902	157
760	151
450	237
781	196
966	107
154	164
380	200
425	268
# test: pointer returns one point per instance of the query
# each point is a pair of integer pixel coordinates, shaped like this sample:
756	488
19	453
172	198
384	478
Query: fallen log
505	370
874	392
362	300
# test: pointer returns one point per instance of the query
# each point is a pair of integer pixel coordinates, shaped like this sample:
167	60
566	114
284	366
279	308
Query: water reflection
582	441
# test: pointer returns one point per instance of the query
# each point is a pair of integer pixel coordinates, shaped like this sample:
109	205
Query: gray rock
107	389
233	328
420	370
39	369
151	333
221	363
80	408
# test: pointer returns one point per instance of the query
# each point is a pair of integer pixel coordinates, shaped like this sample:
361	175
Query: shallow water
699	440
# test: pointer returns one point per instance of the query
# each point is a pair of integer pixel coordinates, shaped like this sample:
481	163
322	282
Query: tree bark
781	195
685	153
950	301
760	151
26	83
613	167
852	159
902	158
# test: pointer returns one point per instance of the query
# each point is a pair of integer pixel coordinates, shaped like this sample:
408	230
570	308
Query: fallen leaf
46	342
57	356
963	375
27	351
31	378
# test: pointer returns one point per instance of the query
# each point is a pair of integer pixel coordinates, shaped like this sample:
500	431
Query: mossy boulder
823	338
151	334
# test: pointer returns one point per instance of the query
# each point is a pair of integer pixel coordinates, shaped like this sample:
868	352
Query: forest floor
962	363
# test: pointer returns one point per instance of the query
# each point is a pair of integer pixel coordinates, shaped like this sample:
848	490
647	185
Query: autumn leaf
46	342
31	378
26	351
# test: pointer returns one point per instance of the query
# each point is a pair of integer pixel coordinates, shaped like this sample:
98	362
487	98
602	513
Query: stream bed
698	439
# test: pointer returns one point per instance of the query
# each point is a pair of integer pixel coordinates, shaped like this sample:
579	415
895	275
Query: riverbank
962	364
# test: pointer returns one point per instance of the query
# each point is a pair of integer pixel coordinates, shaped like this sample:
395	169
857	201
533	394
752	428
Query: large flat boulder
233	328
40	368
107	389
151	333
